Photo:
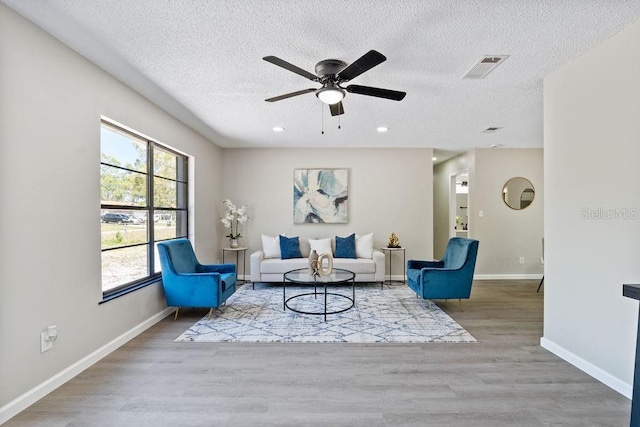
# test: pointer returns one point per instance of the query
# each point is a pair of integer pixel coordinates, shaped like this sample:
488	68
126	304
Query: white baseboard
588	368
27	399
506	276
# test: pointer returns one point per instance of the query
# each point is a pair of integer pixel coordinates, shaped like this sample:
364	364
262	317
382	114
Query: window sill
120	292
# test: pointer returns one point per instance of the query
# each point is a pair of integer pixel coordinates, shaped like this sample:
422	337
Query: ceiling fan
331	74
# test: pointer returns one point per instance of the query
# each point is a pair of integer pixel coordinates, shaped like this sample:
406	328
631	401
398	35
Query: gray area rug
389	315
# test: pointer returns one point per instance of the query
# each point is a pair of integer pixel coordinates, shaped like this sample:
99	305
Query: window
143	193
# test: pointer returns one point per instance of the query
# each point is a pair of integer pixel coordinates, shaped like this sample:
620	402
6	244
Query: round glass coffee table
301	276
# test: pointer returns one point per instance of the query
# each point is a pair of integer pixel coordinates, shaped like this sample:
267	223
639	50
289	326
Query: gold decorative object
393	241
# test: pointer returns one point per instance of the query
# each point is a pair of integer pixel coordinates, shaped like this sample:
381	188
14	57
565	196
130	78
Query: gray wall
592	147
50	107
505	234
390	190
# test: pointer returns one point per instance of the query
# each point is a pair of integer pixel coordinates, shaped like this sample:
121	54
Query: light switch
480	213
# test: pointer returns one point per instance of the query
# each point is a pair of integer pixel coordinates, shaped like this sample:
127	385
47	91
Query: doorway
459	204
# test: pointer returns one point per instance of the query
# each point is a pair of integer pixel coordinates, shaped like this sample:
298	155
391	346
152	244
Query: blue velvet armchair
448	278
187	283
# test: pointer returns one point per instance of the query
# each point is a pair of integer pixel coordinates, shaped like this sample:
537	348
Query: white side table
238	250
390	252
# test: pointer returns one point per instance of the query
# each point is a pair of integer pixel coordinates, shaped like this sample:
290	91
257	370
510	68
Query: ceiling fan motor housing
330	67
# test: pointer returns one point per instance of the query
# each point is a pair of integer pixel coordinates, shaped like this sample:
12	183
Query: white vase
313	263
234	243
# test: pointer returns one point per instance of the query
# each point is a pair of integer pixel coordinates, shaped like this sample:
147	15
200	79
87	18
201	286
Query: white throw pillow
321	246
271	246
364	246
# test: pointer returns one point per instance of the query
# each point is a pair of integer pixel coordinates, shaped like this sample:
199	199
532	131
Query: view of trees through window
143	192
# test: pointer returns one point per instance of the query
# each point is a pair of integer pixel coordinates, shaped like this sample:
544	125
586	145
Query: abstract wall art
320	196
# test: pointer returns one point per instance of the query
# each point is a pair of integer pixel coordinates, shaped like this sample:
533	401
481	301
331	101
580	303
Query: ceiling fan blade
290	95
377	92
362	64
336	109
287	66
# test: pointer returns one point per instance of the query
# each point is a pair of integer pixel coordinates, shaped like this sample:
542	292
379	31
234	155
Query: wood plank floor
506	379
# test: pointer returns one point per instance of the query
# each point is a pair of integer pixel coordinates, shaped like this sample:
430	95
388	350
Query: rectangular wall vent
486	65
491	130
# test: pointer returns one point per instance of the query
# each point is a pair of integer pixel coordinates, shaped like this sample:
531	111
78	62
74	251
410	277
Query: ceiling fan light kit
331	73
330	94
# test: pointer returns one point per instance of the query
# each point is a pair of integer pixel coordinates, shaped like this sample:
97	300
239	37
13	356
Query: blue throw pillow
290	247
346	247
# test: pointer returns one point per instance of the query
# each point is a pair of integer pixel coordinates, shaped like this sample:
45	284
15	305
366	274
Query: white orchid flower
233	217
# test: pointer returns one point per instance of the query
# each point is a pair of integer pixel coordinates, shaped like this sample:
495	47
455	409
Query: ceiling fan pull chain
338	122
322	115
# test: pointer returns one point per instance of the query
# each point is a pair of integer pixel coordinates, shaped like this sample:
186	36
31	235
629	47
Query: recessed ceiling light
496	145
382	129
434	158
278	129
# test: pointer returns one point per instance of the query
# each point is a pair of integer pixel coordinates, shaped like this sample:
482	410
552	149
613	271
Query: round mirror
518	193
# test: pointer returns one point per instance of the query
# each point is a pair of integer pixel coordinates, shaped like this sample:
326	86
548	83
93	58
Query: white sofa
272	269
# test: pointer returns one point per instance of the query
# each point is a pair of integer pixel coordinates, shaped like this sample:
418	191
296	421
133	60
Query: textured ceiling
202	62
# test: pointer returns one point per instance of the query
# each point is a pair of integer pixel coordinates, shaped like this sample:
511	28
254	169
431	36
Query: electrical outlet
45	343
47	338
521	260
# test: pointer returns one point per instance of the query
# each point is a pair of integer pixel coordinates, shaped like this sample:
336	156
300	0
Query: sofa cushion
290	247
281	266
364	246
321	246
358	266
271	246
346	247
304	247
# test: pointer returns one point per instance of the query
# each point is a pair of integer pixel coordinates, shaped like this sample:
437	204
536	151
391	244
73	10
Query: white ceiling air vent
486	65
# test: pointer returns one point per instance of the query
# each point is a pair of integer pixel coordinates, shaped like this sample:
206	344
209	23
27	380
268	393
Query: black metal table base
315	292
325	312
